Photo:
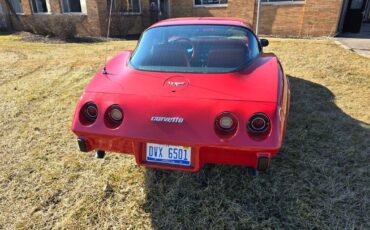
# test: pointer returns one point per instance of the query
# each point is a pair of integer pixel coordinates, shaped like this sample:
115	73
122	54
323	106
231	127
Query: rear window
195	49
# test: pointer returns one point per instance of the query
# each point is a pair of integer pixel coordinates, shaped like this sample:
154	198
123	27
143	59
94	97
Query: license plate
170	154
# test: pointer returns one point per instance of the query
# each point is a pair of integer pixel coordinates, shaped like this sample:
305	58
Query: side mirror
264	42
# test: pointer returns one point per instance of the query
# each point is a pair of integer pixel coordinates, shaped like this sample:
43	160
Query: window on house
126	6
17	6
284	1
73	6
210	2
39	6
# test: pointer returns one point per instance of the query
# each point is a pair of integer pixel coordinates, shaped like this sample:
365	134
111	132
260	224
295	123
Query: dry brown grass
320	180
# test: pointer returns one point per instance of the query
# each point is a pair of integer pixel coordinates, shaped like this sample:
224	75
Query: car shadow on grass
320	179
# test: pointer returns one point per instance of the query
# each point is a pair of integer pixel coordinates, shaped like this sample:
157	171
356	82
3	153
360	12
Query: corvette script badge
178	120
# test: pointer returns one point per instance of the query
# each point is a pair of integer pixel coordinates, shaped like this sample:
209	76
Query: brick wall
312	18
321	18
122	24
281	20
85	24
236	8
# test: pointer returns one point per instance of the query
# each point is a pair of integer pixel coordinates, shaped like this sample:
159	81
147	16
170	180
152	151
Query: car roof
203	21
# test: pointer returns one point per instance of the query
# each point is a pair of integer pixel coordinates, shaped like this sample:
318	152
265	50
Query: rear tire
100	154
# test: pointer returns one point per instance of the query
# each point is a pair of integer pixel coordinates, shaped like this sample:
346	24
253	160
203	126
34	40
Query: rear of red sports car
194	91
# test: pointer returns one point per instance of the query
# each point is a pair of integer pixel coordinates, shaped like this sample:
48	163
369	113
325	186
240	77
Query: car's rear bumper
201	153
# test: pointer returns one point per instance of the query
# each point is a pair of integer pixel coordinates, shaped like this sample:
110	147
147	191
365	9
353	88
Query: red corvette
194	91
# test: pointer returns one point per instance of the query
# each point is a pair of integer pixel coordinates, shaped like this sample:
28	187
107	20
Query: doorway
164	7
159	10
354	15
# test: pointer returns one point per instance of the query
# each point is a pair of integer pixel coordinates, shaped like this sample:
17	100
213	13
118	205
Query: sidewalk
359	43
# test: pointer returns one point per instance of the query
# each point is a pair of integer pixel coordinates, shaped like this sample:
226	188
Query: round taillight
91	111
88	113
114	116
226	124
259	123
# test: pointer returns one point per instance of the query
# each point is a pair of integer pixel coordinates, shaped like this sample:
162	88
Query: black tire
100	154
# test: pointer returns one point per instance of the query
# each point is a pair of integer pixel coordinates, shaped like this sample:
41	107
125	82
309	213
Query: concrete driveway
359	43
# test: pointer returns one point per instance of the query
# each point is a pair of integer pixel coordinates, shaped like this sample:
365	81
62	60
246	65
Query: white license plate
169	154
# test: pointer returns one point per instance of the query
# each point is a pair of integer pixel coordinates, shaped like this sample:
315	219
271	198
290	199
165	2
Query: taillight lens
114	116
88	113
91	112
259	123
226	124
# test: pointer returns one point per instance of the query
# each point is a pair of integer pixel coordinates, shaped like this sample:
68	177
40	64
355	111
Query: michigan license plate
169	154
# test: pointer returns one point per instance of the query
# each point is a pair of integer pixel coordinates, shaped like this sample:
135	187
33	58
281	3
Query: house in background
298	18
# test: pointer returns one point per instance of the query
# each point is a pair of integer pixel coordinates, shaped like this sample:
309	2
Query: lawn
320	180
